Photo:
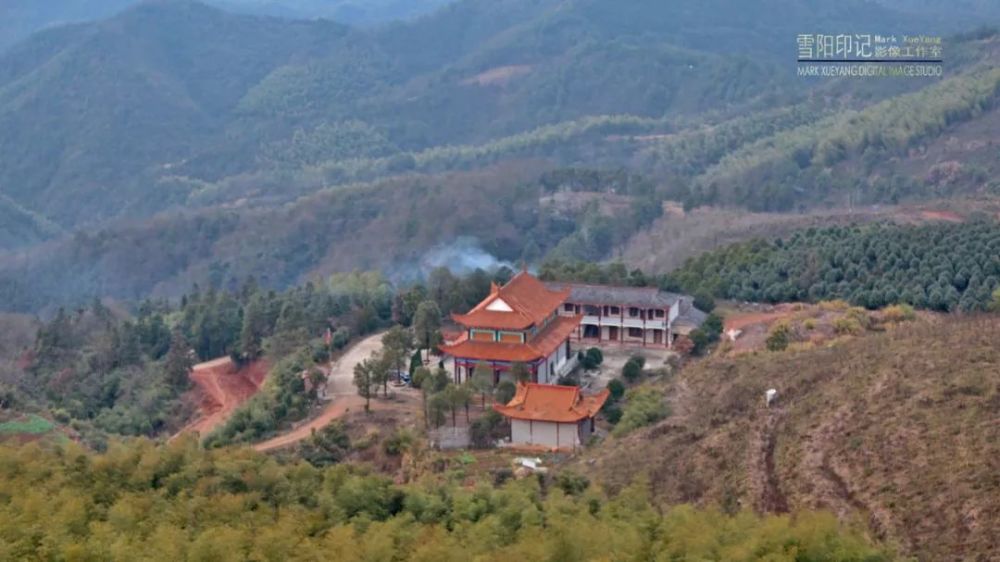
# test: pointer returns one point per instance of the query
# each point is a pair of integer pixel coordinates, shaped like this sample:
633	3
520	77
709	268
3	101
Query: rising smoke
463	255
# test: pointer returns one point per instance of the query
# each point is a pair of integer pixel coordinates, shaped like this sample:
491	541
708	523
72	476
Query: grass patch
34	425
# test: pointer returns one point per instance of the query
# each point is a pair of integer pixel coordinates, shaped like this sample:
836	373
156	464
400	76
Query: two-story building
643	316
519	322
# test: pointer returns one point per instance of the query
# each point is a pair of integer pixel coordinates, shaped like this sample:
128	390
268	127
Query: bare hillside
900	430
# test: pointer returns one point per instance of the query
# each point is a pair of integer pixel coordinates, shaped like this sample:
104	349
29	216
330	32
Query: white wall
544	433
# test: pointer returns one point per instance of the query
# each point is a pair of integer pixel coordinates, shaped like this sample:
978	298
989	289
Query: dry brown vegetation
806	325
898	430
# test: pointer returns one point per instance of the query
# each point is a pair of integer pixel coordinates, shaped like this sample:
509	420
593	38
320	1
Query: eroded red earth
220	388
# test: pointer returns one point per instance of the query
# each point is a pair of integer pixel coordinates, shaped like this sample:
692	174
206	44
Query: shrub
326	446
847	326
704	302
779	337
505	391
592	358
834	305
699	341
860	316
486	430
612	412
420	376
899	313
341	337
571	483
712	327
632	370
643	407
617	389
398	442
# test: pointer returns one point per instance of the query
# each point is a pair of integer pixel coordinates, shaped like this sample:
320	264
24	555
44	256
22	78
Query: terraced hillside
899	430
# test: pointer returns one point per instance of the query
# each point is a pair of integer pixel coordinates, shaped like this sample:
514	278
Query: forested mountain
21	18
194	115
944	267
135	105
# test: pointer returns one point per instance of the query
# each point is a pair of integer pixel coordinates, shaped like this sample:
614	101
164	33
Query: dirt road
339	390
223	389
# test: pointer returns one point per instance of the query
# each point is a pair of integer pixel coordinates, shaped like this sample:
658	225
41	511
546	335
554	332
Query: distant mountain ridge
20	18
118	128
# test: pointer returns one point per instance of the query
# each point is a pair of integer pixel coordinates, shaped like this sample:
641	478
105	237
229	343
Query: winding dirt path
223	388
832	480
340	391
763	478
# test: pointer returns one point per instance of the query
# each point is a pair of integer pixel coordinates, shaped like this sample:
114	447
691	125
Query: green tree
256	326
427	325
632	370
592	358
456	397
520	372
397	344
704	302
481	381
437	406
366	378
505	392
616	389
177	363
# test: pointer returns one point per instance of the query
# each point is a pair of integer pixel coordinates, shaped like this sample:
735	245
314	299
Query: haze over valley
543	279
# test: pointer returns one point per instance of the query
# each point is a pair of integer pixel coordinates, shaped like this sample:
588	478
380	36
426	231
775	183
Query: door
613	333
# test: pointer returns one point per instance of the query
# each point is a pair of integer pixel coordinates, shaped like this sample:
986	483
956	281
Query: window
635	332
568	307
633	312
591	310
615	310
659	313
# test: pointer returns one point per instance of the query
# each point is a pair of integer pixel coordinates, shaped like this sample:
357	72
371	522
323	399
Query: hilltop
897	430
238	144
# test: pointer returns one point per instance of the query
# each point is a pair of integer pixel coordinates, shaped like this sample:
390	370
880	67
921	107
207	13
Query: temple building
519	322
551	416
644	316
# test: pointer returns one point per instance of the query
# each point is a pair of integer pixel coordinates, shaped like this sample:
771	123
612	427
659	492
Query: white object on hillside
733	333
770	396
530	463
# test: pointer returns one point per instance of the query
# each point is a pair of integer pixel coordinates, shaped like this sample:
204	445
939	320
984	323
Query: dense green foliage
143	502
107	371
940	267
313	100
643	406
95	370
795	166
249	113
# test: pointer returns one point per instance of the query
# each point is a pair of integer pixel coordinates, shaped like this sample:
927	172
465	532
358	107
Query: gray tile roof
689	315
642	297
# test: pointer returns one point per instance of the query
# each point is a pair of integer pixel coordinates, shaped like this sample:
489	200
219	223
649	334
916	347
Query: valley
451	280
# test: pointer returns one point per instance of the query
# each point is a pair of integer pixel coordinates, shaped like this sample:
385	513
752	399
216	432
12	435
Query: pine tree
177	363
427	325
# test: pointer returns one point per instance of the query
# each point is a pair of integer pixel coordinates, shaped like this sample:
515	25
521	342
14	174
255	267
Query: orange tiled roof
529	299
552	403
542	345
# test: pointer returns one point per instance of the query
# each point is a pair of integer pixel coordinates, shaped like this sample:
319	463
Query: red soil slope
220	389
